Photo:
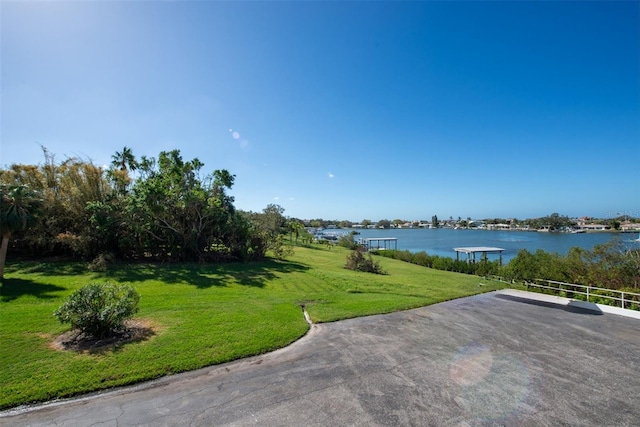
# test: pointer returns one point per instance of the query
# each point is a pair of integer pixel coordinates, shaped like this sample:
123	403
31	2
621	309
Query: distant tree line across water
553	221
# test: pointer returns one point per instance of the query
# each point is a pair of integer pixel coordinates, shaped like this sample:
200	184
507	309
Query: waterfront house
592	227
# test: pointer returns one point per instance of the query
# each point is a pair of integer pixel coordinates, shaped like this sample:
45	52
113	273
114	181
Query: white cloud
330	175
276	198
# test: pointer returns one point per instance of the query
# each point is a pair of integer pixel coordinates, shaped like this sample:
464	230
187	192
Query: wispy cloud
330	175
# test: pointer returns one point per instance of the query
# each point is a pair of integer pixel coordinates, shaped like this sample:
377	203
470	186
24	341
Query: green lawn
203	314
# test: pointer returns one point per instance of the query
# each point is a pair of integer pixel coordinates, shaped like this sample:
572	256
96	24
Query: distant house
498	226
630	226
592	227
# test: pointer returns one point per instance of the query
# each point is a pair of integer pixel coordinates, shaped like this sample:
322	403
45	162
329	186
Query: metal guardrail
622	299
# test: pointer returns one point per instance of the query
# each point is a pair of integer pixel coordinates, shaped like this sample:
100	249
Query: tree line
554	221
159	209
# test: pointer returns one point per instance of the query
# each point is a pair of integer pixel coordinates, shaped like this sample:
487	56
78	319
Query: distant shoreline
488	229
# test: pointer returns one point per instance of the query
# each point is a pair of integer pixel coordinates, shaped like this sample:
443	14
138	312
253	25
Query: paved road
491	359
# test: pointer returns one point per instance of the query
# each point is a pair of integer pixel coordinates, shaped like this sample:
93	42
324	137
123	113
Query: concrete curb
601	308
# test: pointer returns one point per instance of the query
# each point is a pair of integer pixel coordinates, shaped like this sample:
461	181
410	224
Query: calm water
441	241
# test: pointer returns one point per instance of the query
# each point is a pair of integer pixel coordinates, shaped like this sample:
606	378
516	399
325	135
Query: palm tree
124	160
18	208
296	228
121	163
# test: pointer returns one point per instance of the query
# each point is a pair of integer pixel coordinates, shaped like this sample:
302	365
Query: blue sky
342	110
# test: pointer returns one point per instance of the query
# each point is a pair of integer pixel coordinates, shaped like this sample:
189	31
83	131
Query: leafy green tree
554	221
522	267
271	225
383	223
109	227
577	265
539	265
434	221
272	220
18	210
177	216
613	265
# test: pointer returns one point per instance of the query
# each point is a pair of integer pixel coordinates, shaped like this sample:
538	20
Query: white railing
623	299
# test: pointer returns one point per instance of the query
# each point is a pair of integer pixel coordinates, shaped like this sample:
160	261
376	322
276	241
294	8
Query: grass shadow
319	247
254	274
13	288
50	267
204	276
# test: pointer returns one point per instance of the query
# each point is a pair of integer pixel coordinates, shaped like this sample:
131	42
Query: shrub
443	263
356	261
421	258
101	262
485	268
405	256
348	242
99	309
279	248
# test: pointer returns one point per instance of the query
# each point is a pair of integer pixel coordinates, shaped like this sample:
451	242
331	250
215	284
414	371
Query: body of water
441	241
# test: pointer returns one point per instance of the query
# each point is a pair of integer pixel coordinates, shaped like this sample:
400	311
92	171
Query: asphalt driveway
491	359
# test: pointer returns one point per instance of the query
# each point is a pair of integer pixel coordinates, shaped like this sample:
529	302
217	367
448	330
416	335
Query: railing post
622	293
588	293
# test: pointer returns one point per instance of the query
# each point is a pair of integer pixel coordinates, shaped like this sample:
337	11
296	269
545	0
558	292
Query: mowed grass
201	315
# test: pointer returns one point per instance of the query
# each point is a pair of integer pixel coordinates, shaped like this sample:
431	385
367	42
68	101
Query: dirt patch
134	331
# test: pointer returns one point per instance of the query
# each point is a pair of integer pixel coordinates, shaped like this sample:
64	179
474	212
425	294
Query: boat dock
379	243
472	250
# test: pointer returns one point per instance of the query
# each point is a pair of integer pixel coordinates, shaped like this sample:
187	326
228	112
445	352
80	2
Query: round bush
99	309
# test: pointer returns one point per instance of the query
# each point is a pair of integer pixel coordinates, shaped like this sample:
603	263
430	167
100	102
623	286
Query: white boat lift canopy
370	243
472	250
